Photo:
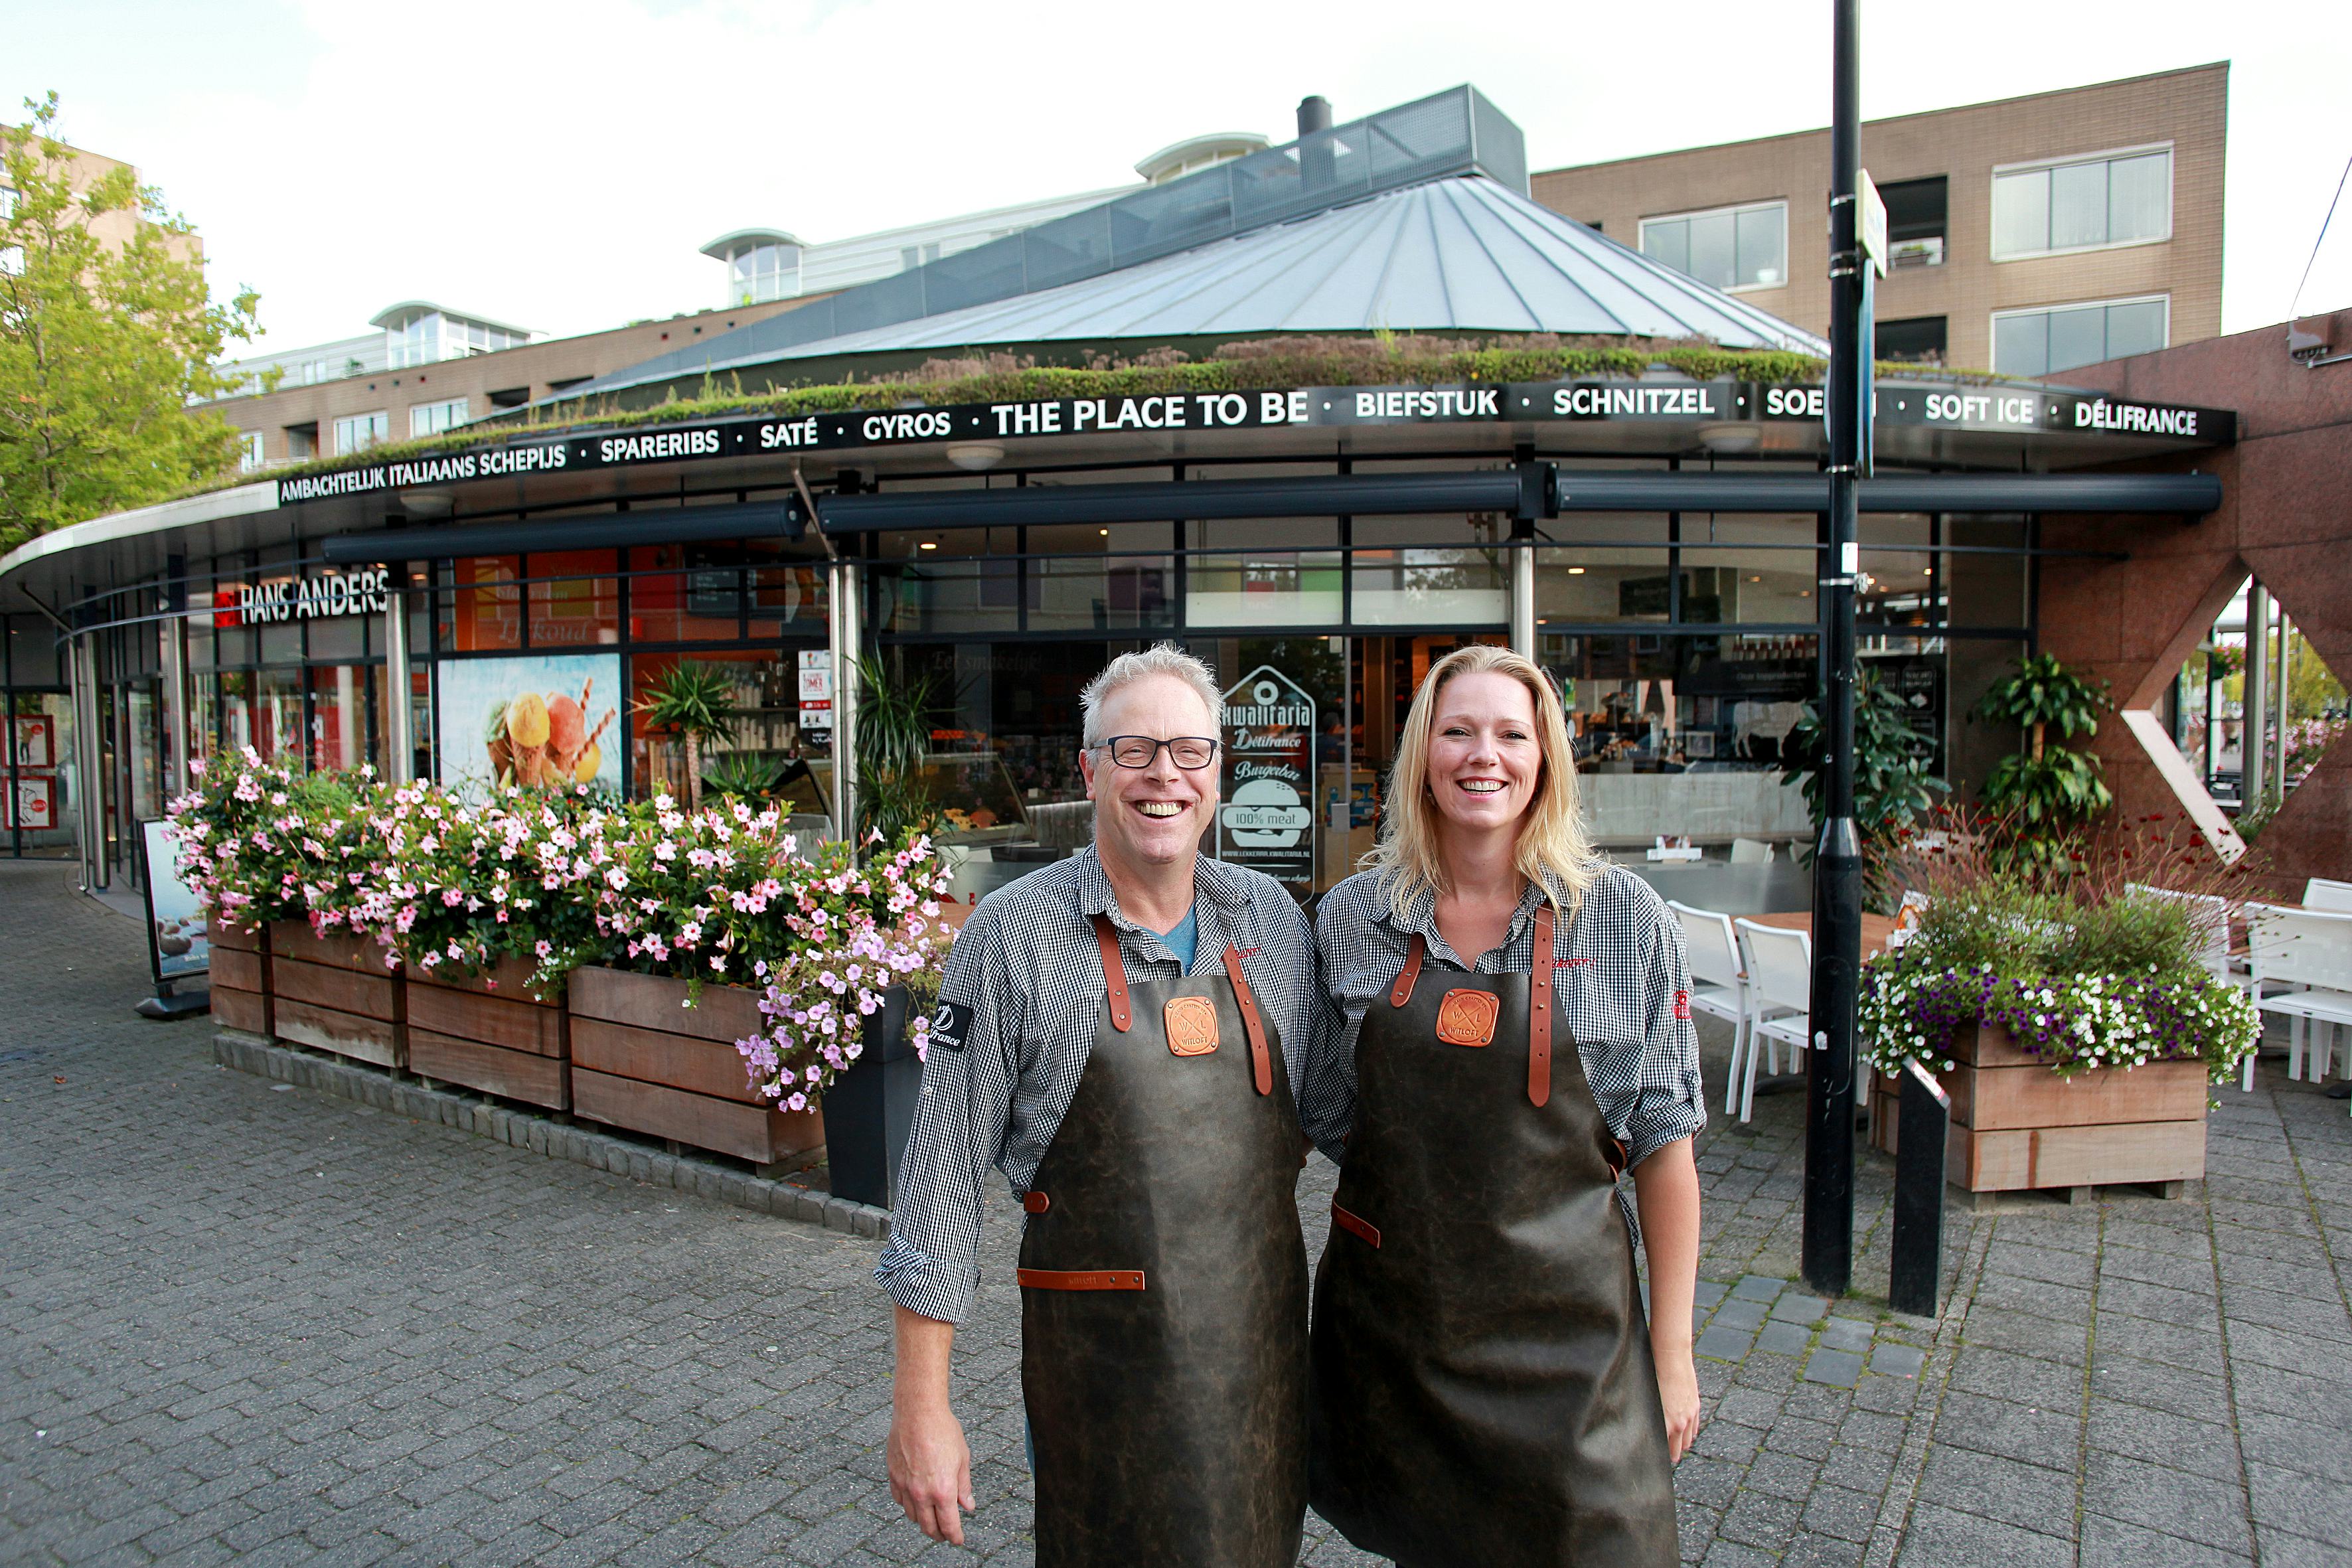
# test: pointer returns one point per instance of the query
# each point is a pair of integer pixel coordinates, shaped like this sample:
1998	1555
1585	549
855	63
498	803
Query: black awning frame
1524	492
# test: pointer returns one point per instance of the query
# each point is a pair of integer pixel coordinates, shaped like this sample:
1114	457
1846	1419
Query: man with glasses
1136	1038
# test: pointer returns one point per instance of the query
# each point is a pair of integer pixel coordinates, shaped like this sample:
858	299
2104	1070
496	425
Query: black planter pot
870	1109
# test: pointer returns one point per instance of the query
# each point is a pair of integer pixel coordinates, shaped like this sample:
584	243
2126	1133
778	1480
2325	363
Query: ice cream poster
547	718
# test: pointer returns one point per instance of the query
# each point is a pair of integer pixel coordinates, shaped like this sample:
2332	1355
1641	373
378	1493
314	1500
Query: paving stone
1897	1360
1757	1288
1797	1307
2113	1544
1847	1334
1738	1314
1724	1344
2160	1438
1784	1338
2195	1507
1941	1537
1842	1369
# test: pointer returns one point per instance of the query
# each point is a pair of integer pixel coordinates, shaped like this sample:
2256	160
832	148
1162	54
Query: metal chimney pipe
1318	154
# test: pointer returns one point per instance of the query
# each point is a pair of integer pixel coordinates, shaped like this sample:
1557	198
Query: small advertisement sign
176	936
816	690
33	740
1267	821
33	804
541	718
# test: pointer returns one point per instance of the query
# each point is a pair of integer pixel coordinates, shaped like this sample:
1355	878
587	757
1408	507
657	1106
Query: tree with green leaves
2048	790
1892	785
696	702
104	346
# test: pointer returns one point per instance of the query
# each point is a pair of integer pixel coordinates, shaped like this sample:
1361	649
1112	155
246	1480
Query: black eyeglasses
1190	752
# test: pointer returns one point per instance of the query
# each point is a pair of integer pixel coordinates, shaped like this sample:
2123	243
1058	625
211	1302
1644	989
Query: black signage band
2011	410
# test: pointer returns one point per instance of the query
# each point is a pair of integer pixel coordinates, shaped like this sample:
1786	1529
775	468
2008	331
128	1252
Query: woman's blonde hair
1551	835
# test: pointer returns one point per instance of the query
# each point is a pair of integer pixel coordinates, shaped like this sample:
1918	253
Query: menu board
1267	819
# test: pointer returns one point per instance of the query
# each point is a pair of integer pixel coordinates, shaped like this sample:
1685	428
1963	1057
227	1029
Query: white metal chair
2209	913
2320	893
1718	984
2310	951
1750	852
1779	965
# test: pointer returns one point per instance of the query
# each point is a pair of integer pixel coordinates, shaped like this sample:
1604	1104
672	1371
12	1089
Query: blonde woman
1484	1388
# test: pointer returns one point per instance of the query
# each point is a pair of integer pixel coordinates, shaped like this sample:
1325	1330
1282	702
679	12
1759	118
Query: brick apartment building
2031	235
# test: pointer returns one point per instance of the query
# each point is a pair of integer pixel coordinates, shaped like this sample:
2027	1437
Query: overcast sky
561	165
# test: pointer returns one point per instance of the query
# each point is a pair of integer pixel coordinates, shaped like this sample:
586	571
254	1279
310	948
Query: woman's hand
1666	1189
1678	1396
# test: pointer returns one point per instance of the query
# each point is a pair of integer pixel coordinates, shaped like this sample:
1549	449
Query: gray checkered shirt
1022	986
1621	979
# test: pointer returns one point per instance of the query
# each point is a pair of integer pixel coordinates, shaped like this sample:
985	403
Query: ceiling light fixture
928	544
1575	571
975	457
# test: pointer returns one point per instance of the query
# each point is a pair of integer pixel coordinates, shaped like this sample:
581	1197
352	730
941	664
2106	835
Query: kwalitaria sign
1926	404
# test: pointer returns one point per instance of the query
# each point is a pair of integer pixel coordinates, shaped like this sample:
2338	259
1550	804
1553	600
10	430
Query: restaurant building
1278	460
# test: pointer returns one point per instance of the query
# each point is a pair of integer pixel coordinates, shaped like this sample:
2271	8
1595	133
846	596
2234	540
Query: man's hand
931	1470
930	1464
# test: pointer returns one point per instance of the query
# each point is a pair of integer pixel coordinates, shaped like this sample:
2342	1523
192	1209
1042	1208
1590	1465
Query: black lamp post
1827	1260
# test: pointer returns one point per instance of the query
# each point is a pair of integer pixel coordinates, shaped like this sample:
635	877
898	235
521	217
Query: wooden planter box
240	977
334	994
642	1060
497	1038
2017	1125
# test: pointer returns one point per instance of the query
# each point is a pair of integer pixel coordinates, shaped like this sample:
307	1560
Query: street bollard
1921	1131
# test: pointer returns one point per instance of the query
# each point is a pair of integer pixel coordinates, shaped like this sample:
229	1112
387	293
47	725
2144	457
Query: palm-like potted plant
696	702
1892	785
2050	790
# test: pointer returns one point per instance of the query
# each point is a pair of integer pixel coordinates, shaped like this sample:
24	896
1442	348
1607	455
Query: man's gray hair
1163	658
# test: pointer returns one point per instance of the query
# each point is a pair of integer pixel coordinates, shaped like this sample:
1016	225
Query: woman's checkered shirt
1016	1023
1621	980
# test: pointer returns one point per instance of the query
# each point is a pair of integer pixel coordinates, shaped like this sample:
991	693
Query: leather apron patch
1192	1025
1468	1017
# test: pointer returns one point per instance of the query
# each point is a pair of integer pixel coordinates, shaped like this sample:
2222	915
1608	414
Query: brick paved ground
240	1322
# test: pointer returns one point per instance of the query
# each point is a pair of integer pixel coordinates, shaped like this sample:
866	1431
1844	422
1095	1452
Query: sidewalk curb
582	1145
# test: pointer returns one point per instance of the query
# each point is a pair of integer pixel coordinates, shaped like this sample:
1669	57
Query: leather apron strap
1402	991
1539	1006
1261	1061
1114	968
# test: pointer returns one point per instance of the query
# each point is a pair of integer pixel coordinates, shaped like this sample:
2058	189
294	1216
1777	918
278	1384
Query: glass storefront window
1584	586
343	716
1985	590
573	600
950	594
694	594
143	713
1110	592
1431	587
485	612
277	716
767	734
1265	588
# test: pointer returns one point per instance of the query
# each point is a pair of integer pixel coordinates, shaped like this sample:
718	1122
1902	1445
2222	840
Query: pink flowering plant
452	884
466	882
258	842
859	930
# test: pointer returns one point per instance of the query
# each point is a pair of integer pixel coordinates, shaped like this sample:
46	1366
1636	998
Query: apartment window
249	449
2118	198
358	432
1916	340
2038	342
913	256
432	418
1730	248
301	441
415	341
1915	214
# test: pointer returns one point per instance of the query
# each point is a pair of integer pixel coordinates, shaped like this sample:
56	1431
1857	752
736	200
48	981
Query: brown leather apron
1163	1302
1482	1388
